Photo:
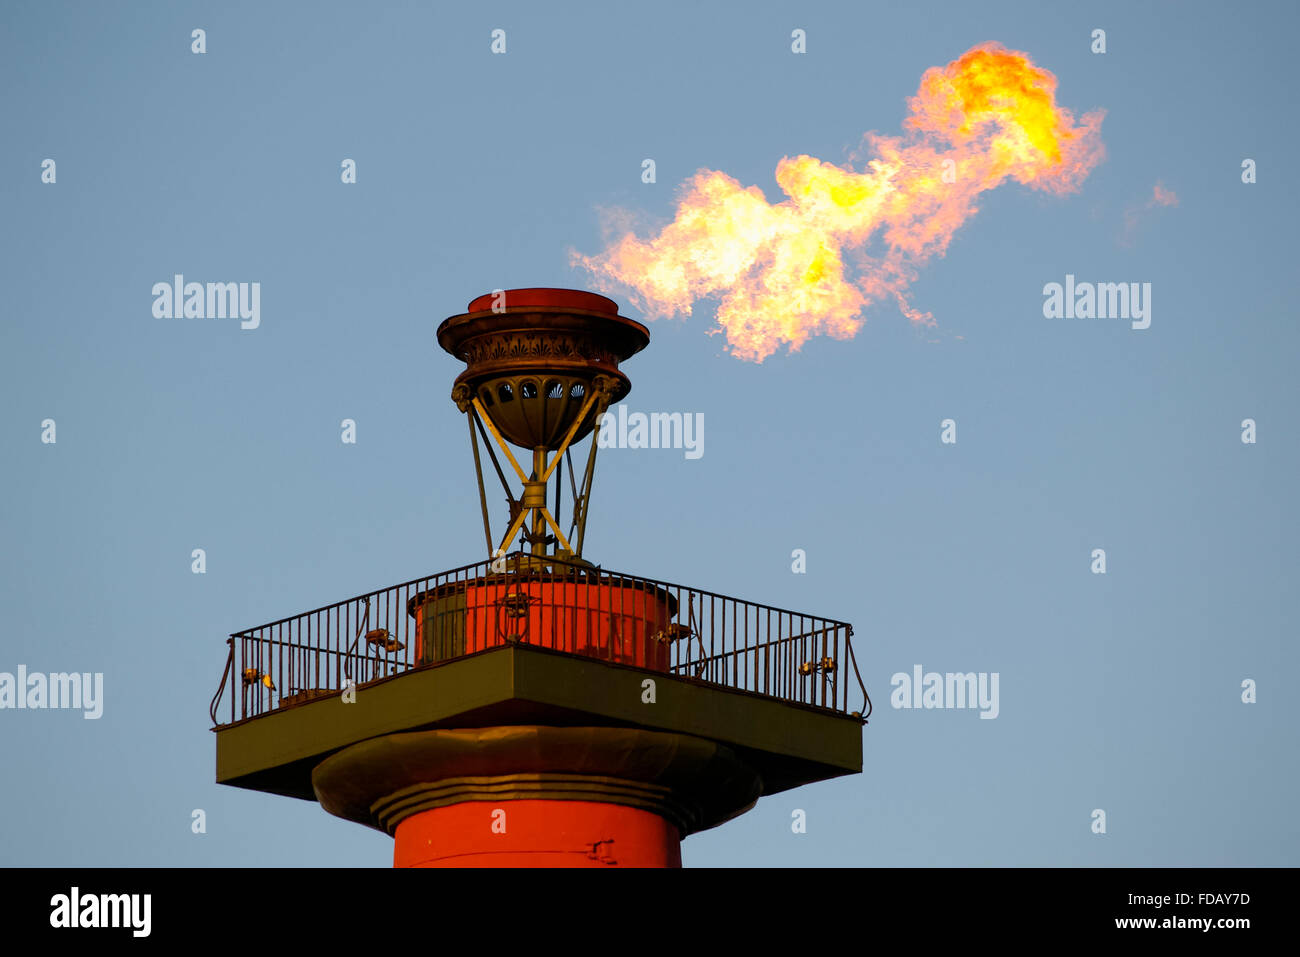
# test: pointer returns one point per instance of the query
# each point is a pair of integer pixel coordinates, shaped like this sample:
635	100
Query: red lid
552	298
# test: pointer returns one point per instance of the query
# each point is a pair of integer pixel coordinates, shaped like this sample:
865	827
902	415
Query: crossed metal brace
533	500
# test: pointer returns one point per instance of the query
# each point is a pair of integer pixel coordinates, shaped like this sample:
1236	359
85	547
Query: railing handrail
703	592
727	631
361	597
225	674
751	649
854	659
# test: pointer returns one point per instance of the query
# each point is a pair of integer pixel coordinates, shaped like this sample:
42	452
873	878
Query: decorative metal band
530	344
692	782
542	332
391	810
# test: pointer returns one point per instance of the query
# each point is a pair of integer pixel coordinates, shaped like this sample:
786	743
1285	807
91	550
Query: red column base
536	833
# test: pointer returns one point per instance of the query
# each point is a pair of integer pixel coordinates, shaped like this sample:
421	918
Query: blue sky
474	172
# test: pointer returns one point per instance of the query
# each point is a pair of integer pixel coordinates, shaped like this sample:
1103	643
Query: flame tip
988	116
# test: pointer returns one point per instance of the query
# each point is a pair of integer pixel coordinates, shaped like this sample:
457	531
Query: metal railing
567	606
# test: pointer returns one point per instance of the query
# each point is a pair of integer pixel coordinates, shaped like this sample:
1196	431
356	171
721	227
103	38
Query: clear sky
1121	692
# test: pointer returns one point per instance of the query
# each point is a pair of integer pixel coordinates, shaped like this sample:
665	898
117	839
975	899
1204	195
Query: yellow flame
779	269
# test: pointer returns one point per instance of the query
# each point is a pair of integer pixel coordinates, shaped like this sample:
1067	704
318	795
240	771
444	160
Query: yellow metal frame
541	515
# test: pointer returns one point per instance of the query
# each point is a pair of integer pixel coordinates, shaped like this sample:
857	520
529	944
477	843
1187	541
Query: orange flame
1160	196
780	269
1163	197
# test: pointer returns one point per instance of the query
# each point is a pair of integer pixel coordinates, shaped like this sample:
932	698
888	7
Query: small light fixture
674	632
384	639
252	676
825	666
515	604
